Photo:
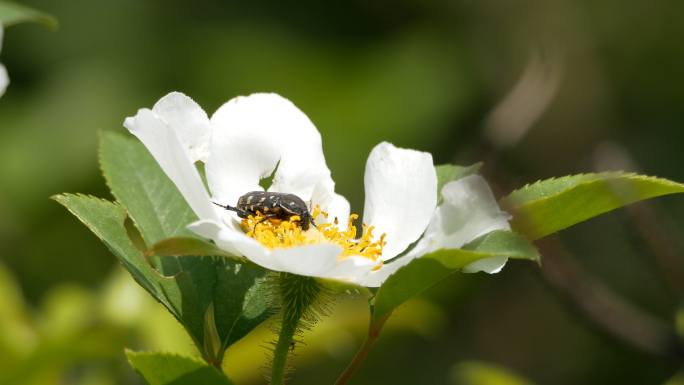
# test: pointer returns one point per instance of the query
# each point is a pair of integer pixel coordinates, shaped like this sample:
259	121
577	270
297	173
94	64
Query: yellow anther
277	234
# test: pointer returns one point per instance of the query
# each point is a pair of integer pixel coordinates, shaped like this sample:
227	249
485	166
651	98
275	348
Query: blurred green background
533	89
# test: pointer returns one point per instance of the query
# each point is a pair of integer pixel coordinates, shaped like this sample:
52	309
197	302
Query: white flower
4	79
249	137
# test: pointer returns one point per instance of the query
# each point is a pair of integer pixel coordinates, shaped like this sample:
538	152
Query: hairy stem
282	351
302	301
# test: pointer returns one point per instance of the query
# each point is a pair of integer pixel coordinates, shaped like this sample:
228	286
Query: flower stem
299	309
282	351
373	333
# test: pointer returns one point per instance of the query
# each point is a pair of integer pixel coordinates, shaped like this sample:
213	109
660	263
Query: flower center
280	234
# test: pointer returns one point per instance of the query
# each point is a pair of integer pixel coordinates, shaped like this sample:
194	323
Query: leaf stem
373	333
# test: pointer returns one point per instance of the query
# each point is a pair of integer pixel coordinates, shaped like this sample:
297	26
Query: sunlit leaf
156	368
12	13
554	204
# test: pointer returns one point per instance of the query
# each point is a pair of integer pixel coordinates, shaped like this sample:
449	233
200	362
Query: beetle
277	205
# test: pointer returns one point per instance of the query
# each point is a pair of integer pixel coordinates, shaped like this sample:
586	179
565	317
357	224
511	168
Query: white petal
469	211
401	194
339	208
164	145
321	196
189	121
350	269
319	260
251	136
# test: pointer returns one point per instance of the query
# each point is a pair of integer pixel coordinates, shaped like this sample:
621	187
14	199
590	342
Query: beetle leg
241	213
269	216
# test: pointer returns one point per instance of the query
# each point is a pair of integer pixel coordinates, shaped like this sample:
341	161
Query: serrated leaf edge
57	198
616	174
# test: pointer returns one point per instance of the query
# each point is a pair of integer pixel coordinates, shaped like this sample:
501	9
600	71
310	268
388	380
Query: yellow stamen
279	234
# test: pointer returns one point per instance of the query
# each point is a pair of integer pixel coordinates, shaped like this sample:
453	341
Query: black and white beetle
272	205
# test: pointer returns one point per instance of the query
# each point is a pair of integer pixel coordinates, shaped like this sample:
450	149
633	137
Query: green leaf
12	13
506	243
186	285
233	282
418	275
150	197
552	205
178	294
448	173
159	211
241	302
156	368
106	220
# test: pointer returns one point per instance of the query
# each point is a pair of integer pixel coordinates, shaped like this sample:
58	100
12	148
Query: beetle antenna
227	207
